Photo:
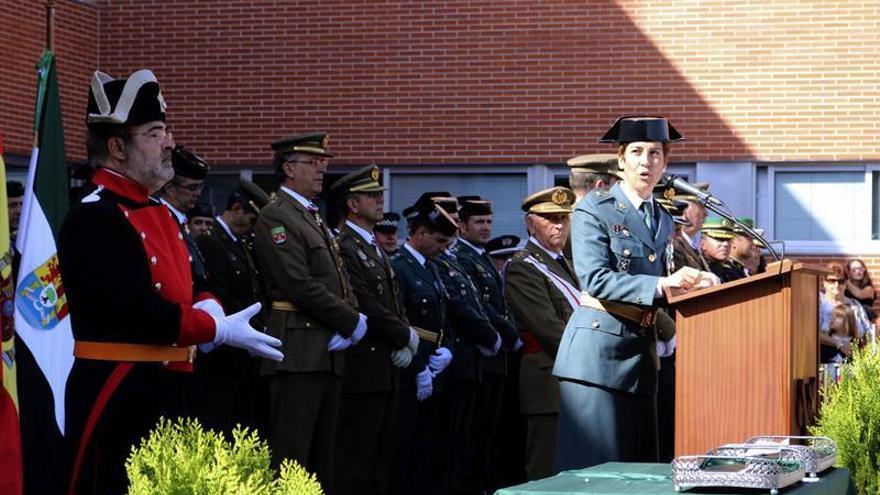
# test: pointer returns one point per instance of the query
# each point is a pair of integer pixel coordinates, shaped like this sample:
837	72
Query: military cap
429	199
718	228
313	143
14	189
553	200
364	179
202	210
748	222
389	223
248	195
665	197
134	100
602	163
703	186
188	164
469	206
502	246
434	216
640	128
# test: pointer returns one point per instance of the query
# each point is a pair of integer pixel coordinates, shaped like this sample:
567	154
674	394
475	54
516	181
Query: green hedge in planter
850	415
182	458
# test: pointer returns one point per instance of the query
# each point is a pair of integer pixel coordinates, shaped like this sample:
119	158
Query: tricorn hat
132	101
639	128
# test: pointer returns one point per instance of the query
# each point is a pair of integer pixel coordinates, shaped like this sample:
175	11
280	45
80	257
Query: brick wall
475	81
23	24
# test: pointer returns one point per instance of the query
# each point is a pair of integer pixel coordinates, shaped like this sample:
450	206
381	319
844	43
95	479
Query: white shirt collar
633	196
693	241
478	249
417	255
181	218
226	228
298	197
538	243
370	238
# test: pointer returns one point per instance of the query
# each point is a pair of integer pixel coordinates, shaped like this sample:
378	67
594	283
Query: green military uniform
542	293
423	446
368	405
225	381
597	165
310	300
479	268
607	359
722	229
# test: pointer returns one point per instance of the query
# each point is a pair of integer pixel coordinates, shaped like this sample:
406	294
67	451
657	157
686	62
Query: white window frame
843	247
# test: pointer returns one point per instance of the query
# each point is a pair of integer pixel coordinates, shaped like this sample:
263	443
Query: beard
149	172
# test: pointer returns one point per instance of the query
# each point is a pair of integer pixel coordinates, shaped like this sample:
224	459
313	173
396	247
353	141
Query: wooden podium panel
747	358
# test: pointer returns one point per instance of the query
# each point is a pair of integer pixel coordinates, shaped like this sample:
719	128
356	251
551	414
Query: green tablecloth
615	478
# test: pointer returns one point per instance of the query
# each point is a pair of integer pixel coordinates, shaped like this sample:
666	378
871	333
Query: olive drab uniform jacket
376	286
307	287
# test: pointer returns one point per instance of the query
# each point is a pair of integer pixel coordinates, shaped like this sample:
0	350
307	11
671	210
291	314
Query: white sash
572	295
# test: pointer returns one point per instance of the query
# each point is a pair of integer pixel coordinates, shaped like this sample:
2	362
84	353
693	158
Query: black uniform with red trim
126	271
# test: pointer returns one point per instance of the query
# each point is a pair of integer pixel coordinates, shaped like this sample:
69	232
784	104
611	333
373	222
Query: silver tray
822	450
768	472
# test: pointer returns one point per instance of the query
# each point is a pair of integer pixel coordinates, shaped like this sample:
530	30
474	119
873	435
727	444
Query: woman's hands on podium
687	278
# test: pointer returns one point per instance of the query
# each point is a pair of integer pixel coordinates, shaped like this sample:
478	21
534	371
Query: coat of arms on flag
41	296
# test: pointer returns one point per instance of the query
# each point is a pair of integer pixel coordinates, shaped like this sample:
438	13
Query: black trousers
459	412
508	457
666	408
487	409
422	447
303	408
364	443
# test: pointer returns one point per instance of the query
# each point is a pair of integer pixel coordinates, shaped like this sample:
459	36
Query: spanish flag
10	436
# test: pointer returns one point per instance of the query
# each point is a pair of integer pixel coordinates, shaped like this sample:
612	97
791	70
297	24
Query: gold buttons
651	257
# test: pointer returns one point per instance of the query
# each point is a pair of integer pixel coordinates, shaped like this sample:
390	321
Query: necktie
648	215
432	267
565	266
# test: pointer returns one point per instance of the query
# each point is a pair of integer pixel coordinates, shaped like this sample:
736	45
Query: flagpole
50	24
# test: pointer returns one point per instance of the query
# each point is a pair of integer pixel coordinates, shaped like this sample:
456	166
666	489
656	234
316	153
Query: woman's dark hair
865	281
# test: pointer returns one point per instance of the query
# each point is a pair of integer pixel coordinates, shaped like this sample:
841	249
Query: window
820	206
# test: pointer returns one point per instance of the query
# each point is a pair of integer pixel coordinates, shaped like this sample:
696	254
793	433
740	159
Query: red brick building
778	100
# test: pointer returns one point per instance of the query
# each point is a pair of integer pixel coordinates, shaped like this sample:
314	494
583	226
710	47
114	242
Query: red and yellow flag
10	434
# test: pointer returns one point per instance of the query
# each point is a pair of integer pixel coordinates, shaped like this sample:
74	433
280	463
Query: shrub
182	458
850	415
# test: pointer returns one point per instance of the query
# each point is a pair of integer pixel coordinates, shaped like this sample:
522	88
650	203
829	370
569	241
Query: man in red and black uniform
125	266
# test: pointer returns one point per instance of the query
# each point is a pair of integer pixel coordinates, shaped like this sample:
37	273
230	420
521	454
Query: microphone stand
722	210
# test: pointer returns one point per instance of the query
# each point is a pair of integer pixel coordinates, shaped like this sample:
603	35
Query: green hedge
850	415
182	458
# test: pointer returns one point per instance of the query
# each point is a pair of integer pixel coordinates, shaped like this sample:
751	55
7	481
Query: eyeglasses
159	134
314	162
197	187
838	281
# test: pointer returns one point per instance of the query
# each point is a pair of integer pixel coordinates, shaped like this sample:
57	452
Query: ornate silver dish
771	471
822	450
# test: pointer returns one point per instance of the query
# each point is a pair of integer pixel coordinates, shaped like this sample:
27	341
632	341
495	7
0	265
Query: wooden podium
747	358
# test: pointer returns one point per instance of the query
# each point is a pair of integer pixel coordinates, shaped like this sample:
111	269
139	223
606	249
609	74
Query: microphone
684	186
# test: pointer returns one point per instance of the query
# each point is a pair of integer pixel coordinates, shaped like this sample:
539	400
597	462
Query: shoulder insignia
279	235
94	196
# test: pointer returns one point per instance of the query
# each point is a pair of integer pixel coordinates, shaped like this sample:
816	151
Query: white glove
666	349
440	360
359	330
236	331
413	343
401	357
494	350
518	344
338	343
213	308
424	384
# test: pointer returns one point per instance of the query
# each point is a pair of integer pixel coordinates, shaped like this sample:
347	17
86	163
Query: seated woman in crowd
834	296
860	287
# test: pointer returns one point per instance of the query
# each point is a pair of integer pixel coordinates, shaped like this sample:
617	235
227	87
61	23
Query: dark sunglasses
838	281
